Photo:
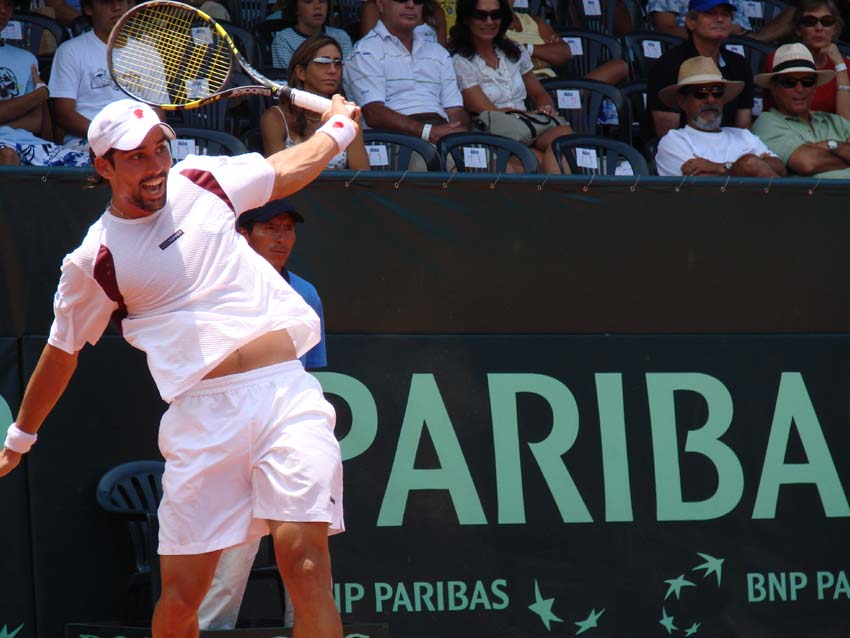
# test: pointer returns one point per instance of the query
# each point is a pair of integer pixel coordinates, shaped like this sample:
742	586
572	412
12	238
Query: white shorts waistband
231	381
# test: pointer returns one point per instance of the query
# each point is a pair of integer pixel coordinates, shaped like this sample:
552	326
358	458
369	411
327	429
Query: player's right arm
52	373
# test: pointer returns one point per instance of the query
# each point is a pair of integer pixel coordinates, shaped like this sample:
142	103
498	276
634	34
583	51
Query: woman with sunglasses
307	17
817	24
496	74
316	66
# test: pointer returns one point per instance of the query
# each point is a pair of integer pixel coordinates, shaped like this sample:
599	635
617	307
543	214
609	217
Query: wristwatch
727	166
831	145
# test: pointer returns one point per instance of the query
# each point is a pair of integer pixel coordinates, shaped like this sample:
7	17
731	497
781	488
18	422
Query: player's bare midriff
271	348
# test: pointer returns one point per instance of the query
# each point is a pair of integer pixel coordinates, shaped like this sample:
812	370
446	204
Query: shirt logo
173	238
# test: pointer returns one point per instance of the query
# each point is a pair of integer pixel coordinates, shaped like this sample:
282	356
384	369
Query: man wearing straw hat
703	146
811	143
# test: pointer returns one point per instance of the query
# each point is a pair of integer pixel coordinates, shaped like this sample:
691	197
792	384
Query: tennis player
248	436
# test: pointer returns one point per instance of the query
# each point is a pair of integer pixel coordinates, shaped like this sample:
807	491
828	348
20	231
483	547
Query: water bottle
608	113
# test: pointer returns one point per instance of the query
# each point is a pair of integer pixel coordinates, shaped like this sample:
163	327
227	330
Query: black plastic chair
650	150
133	491
608	156
753	50
643	48
349	13
493	151
581	103
247	13
400	149
244	39
80	25
640	119
208	142
769	9
589	50
264	33
34	26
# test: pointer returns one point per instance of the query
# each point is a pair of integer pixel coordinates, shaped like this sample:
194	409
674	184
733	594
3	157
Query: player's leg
304	562
185	581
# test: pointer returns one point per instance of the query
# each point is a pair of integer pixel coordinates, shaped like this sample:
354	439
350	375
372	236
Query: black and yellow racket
173	56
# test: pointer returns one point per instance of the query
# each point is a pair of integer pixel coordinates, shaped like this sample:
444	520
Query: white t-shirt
79	72
504	86
183	285
681	144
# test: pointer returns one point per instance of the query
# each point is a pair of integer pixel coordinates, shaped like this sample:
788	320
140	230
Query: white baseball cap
123	124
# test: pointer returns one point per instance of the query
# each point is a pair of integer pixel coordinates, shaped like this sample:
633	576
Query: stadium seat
592	155
581	102
398	151
484	153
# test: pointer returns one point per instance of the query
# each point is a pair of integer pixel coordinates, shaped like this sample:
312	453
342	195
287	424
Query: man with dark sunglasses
704	146
709	23
403	80
811	143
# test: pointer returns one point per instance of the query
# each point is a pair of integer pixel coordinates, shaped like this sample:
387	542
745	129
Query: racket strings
169	55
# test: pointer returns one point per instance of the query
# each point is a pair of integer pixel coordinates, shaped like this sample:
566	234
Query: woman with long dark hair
496	74
316	66
306	18
817	24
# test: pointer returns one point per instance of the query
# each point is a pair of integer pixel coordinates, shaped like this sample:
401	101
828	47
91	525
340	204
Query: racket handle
308	101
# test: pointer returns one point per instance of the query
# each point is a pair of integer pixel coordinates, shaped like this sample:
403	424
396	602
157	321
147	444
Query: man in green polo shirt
811	143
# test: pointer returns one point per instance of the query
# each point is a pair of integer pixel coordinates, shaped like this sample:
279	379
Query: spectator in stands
703	146
817	24
782	27
810	142
496	74
402	80
709	23
24	115
670	16
308	17
80	83
270	231
316	66
547	49
212	8
433	20
65	11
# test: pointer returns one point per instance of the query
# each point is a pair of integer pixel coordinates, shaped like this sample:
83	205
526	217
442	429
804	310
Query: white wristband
19	441
841	67
41	84
426	132
340	129
530	49
843	88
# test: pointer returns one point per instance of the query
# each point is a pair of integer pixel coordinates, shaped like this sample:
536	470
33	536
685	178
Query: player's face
138	177
273	240
7	8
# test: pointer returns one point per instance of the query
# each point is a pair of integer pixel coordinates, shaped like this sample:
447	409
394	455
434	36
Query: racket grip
308	101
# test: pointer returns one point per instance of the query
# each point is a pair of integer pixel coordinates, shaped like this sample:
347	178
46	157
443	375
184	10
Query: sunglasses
324	60
811	21
416	2
790	83
702	93
495	16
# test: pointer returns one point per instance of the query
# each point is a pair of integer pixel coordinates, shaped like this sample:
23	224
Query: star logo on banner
667	622
543	607
690	631
589	622
676	585
711	566
4	633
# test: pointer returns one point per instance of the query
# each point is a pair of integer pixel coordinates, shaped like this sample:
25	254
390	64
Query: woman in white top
316	67
495	73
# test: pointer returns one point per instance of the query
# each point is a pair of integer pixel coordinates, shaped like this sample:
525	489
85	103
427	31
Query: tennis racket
174	56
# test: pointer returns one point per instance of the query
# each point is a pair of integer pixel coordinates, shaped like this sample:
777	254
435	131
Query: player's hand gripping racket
173	56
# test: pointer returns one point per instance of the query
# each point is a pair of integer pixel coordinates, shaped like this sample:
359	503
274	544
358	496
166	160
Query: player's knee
9	157
307	574
180	600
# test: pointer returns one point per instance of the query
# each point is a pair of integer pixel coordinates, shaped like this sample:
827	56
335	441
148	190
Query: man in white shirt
248	437
703	146
80	83
403	80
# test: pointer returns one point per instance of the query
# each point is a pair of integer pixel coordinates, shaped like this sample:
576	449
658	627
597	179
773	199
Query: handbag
516	125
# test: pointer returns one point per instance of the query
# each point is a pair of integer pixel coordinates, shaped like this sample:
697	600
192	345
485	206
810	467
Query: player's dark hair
96	179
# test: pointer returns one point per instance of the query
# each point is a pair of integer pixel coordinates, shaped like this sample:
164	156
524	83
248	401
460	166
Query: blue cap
269	211
708	5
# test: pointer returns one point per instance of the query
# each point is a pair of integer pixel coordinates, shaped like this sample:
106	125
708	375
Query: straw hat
793	58
696	72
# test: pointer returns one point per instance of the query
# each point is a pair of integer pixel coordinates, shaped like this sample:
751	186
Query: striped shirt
286	41
381	69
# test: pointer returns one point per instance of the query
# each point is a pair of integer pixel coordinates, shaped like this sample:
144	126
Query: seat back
583	104
753	50
399	150
208	142
264	33
244	39
589	50
247	13
591	155
640	119
484	153
596	15
28	30
762	12
643	48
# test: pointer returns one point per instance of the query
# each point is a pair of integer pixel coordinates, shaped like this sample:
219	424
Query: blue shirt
316	357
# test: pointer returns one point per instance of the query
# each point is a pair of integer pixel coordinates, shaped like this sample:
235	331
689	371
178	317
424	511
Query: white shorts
245	449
